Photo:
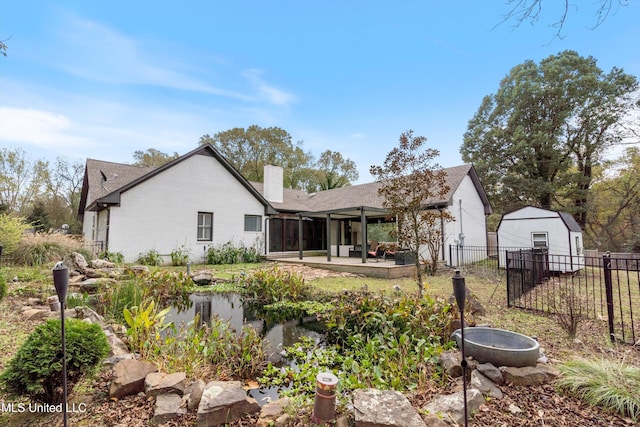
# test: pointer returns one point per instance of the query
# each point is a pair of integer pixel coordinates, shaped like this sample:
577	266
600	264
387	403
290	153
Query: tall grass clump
270	285
612	385
229	253
43	248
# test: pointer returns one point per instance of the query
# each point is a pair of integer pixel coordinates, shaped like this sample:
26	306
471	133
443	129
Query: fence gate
526	268
622	291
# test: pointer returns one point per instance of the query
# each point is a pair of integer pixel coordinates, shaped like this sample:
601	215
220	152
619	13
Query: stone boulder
193	392
529	375
75	262
101	263
168	407
452	406
157	383
451	363
485	385
384	408
491	372
129	376
223	402
116	346
84	312
203	278
272	414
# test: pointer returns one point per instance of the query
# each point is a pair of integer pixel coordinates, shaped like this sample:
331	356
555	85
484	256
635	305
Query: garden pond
230	307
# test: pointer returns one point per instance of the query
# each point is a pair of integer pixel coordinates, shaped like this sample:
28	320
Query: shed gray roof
570	221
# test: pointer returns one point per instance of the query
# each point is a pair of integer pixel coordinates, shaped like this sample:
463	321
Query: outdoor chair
375	250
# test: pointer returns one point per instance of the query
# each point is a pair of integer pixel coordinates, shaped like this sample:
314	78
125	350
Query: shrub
11	229
36	369
145	322
116	257
271	285
180	256
42	248
151	257
612	385
228	253
3	287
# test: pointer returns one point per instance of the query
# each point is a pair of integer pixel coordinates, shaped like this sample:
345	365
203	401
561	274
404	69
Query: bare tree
531	11
411	183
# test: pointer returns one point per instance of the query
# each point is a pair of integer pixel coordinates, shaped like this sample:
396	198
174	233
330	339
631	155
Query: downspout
442	233
266	234
106	236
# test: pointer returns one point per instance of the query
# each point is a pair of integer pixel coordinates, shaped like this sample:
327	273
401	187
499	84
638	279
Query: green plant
180	256
145	323
150	257
35	370
283	311
77	300
228	253
124	294
612	385
11	229
3	287
42	248
116	257
271	285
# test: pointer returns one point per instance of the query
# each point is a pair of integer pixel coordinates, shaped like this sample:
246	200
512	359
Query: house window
539	240
252	223
205	226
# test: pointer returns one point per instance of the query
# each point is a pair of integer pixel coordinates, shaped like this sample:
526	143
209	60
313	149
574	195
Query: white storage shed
532	227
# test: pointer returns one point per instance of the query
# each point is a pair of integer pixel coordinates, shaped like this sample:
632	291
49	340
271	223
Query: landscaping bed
536	405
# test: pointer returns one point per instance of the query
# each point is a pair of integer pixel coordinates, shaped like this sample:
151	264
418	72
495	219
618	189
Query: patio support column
365	237
329	237
300	239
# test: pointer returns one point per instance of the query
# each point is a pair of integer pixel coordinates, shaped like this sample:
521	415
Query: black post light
61	283
459	290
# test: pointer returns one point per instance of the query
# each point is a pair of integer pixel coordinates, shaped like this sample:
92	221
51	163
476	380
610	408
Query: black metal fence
595	287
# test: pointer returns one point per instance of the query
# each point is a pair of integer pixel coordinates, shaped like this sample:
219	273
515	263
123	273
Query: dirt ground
521	406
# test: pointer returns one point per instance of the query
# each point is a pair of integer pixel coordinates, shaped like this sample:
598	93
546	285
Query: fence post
608	286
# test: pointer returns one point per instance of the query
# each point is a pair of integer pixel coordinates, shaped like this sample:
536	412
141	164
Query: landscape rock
450	362
37	313
485	385
115	359
75	262
529	375
271	412
157	383
167	408
129	376
84	312
116	346
491	372
382	408
452	406
101	263
194	394
223	402
203	278
137	270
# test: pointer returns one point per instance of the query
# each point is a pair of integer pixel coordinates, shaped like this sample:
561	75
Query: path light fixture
61	283
324	407
460	290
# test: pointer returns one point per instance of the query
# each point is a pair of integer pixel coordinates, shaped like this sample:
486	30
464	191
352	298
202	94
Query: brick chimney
273	183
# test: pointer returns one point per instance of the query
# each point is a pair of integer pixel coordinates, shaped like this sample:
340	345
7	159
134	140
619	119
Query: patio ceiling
348	213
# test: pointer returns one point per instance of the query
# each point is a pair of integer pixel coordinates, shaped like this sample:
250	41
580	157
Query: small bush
36	369
612	385
272	285
116	257
3	287
180	256
151	257
43	248
228	253
11	229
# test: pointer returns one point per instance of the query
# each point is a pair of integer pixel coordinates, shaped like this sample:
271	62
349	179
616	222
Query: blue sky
88	79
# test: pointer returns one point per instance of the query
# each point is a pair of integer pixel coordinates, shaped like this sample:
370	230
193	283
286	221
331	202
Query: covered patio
385	269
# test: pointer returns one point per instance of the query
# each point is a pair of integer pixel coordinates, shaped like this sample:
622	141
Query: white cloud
271	93
39	128
97	52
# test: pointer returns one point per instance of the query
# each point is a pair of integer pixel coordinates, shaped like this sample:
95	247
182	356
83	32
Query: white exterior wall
472	219
516	230
161	213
